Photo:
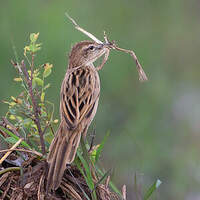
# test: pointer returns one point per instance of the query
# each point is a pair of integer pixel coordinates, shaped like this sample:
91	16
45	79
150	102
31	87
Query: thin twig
11	149
9	169
71	191
142	75
44	130
107	182
18	67
52	129
32	65
76	182
3	178
92	141
124	192
105	37
6	189
110	45
41	184
26	115
106	55
13	128
3	133
22	150
35	107
82	30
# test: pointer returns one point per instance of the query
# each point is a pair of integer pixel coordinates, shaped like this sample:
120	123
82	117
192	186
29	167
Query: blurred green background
154	126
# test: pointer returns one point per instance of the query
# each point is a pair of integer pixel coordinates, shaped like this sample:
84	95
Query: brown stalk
69	189
13	128
107	182
124	192
142	75
111	45
83	30
3	133
22	150
10	150
35	106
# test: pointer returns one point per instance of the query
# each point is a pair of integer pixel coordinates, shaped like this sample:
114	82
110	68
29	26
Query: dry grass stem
124	192
9	169
12	127
107	182
10	150
23	150
40	186
142	75
70	190
104	60
111	45
82	30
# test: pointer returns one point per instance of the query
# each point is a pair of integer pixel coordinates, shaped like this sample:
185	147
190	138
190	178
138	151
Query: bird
79	96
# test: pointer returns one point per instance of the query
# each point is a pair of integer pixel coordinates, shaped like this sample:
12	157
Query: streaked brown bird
79	98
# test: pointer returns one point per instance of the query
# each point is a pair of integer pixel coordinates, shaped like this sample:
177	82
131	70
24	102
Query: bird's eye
91	48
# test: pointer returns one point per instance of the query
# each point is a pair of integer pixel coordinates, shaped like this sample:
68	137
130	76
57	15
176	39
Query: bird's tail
62	151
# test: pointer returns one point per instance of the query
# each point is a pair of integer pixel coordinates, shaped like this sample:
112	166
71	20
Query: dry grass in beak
111	45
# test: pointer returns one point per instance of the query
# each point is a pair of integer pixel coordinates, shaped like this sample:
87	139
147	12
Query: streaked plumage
79	98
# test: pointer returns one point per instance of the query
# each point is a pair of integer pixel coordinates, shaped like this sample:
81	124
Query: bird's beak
103	46
107	45
100	46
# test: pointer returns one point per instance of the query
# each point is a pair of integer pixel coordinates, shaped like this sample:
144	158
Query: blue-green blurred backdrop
154	126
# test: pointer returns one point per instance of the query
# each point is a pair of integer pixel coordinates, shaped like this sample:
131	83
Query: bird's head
85	53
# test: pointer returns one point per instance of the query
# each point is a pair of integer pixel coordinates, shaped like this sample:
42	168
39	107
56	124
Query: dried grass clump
28	183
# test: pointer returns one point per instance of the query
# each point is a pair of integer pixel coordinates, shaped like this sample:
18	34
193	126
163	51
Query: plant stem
9	169
35	106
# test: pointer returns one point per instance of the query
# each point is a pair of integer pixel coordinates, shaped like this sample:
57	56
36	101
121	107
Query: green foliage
33	47
100	147
31	105
151	189
86	163
88	166
13	138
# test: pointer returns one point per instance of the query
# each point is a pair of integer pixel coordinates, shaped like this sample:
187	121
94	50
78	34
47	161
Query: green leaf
36	47
34	145
47	69
34	37
42	96
47	86
33	83
3	141
26	122
47	72
81	170
86	165
100	148
88	176
38	81
12	111
153	187
11	140
31	47
14	136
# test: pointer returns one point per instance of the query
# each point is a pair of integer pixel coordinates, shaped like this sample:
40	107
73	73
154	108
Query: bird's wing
79	92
